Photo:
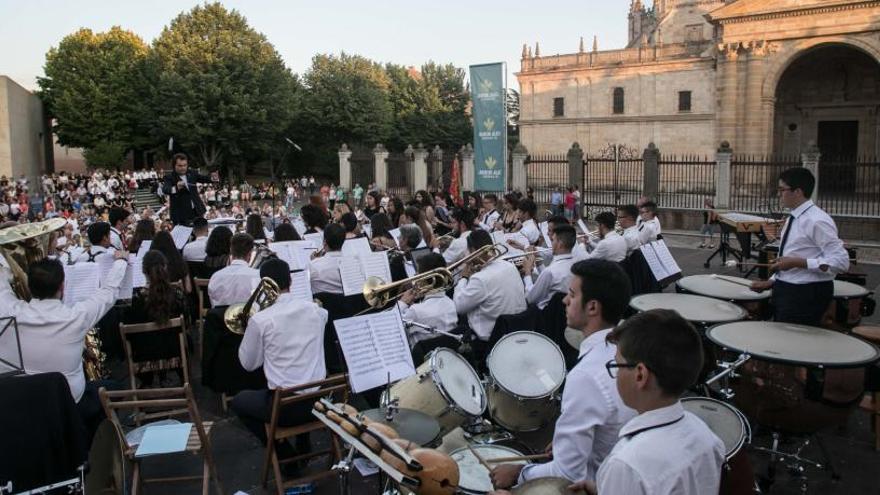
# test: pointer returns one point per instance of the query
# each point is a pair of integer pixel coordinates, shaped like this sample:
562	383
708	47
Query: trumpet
592	233
236	316
518	259
378	293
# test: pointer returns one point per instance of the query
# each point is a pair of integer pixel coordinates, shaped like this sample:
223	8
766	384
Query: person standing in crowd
357	193
570	204
556	201
181	188
710	220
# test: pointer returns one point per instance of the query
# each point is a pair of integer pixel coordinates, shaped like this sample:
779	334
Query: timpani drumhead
696	309
725	421
473	476
849	290
795	344
709	286
546	486
458	381
527	364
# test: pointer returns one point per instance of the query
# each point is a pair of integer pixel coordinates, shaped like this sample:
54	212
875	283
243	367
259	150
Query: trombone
479	258
236	316
378	293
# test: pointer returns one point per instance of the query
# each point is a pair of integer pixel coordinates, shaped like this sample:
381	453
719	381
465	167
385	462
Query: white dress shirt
592	415
813	237
664	451
495	290
435	310
96	252
613	247
115	238
195	250
52	333
487	221
233	284
287	340
324	273
531	231
457	248
633	241
648	230
555	278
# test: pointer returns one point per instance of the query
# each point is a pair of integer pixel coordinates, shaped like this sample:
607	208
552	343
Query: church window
684	101
558	107
618	101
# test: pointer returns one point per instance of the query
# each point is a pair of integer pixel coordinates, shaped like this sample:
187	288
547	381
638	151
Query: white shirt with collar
648	230
555	278
324	273
96	252
233	284
457	248
664	451
612	247
592	415
52	333
495	290
115	238
287	340
633	241
487	221
435	310
813	237
195	250
531	231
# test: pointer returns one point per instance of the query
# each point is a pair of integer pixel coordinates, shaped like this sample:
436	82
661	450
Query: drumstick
536	457
480	458
737	281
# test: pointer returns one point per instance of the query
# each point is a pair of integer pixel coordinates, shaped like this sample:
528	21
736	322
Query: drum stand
343	469
796	463
728	371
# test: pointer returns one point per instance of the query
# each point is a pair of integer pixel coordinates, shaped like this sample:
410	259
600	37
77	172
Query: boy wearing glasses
592	409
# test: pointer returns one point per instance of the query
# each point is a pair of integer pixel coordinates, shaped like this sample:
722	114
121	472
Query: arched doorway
829	96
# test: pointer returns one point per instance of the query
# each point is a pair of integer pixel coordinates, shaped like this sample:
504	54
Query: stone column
756	112
345	167
380	161
467	168
519	173
651	178
576	166
723	157
420	167
810	161
726	82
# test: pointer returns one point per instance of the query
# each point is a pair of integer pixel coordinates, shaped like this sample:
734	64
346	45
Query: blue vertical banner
488	94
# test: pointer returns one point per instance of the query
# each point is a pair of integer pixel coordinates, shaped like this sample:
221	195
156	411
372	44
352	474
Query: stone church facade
767	76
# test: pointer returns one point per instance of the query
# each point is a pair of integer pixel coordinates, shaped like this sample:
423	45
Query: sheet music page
301	286
352	272
144	247
180	234
367	229
80	282
665	257
376	265
135	266
654	262
374	346
300	226
317	239
583	226
105	264
545	232
268	233
288	252
356	247
395	233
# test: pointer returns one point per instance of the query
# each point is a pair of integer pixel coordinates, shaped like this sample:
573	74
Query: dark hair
558	220
465	216
241	245
313	216
398	210
334	236
667	344
491	197
431	261
278	270
97	232
380	225
566	235
411	235
606	282
799	178
218	241
144	230
418	218
513	199
286	232
161	297
377	198
630	211
650	206
117	214
200	224
607	219
177	268
45	278
349	221
528	206
254	226
478	238
426	198
179	156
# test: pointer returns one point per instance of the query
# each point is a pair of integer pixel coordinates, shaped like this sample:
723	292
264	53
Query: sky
403	32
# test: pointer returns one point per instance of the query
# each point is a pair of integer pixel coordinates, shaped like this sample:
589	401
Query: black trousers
254	409
90	409
802	304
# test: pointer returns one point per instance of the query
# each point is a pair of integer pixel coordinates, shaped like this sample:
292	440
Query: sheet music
376	265
660	260
317	239
300	226
136	267
105	264
355	270
367	229
180	234
545	232
268	233
80	282
395	233
301	286
356	247
143	248
583	226
374	346
288	252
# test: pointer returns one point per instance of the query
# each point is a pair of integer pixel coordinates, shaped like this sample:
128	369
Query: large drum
526	370
800	379
445	387
757	304
699	310
851	302
473	477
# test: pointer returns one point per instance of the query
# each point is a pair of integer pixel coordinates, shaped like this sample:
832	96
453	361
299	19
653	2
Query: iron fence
546	173
685	182
363	170
400	175
612	181
850	186
753	182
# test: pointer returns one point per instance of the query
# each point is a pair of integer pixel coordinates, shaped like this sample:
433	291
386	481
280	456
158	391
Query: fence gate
363	171
400	175
613	177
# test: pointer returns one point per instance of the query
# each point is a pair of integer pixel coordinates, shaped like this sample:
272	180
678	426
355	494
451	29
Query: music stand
6	323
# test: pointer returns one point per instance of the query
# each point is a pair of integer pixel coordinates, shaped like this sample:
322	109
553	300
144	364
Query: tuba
23	244
236	316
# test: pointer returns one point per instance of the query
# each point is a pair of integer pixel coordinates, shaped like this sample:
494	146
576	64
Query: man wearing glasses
810	254
592	409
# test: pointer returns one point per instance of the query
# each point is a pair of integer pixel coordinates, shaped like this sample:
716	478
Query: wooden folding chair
135	367
163	403
201	286
337	386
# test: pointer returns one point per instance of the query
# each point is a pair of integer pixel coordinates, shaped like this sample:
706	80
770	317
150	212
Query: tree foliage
106	154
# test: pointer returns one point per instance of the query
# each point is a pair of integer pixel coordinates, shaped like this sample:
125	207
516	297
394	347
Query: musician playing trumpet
610	246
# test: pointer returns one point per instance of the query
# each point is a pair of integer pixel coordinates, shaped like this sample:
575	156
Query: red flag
454	180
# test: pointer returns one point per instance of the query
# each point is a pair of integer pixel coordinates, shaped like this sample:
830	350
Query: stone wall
23	131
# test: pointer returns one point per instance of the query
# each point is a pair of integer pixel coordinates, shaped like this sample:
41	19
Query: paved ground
239	456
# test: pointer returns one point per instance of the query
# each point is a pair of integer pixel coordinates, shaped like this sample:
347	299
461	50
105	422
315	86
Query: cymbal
24	231
412	425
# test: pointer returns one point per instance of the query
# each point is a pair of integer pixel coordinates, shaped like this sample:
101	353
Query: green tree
223	90
106	154
95	88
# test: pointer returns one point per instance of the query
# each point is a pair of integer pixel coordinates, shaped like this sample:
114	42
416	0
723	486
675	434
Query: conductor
180	187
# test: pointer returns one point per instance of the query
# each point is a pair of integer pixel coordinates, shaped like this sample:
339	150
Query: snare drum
757	304
473	477
732	427
525	371
546	486
445	387
849	303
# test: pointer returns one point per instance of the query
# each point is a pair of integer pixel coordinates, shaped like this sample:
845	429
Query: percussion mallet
479	458
734	264
518	458
732	280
